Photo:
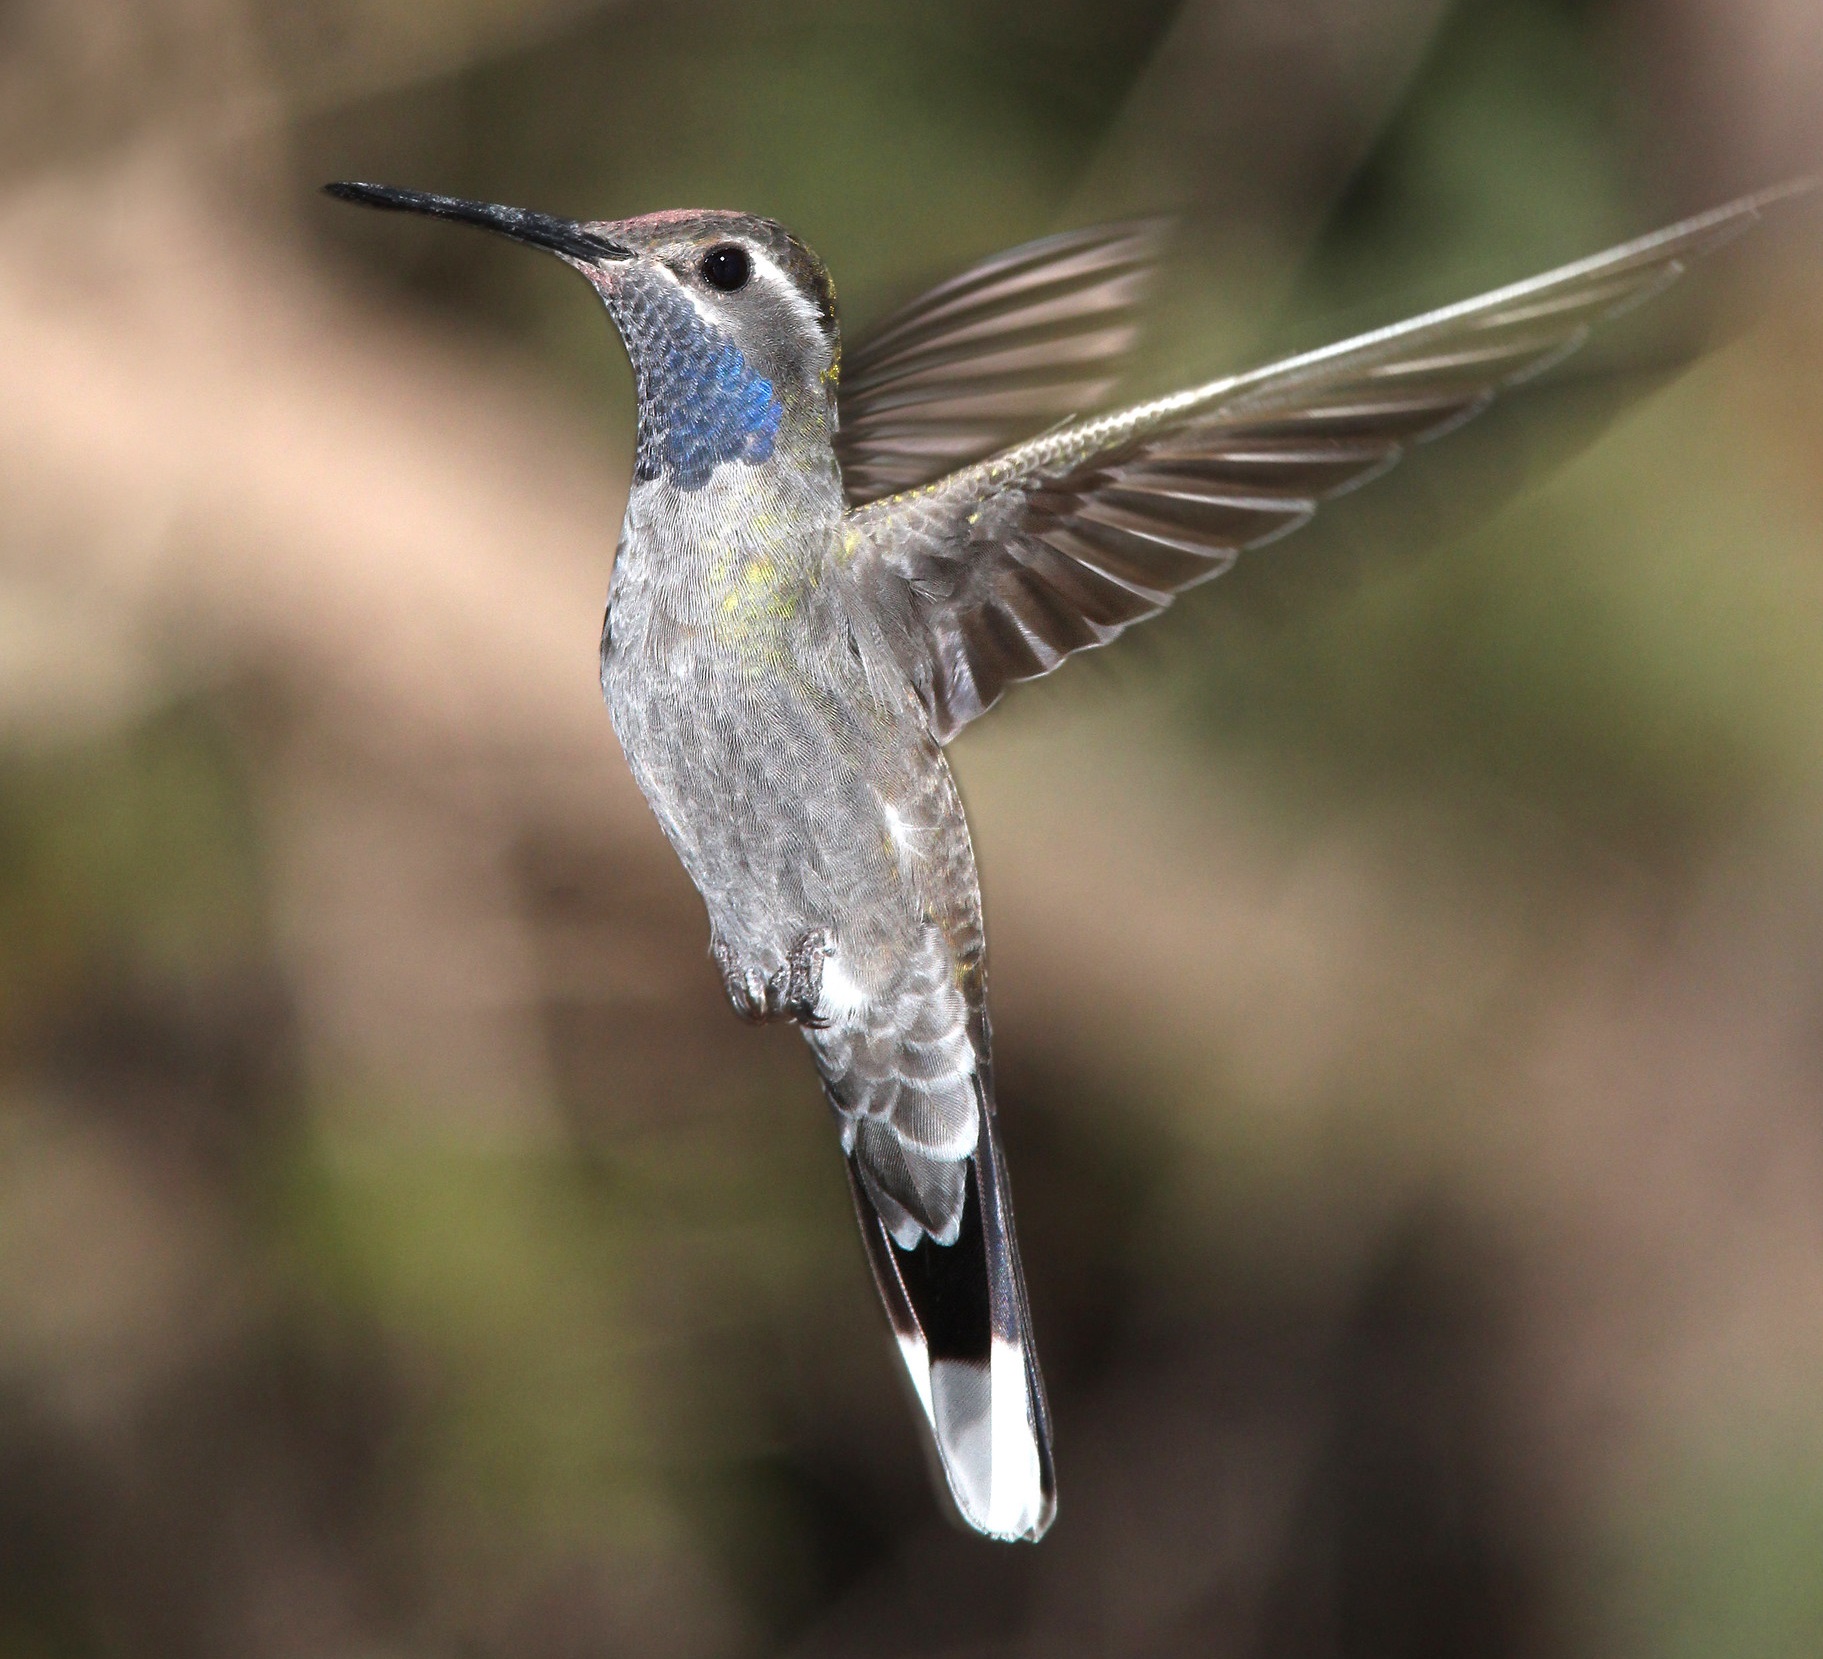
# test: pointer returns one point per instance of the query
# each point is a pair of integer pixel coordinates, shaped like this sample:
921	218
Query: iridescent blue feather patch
700	401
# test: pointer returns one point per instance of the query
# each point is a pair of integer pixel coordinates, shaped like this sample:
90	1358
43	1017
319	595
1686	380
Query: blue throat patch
700	404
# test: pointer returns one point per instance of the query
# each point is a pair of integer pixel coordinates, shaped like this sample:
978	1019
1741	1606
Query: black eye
727	267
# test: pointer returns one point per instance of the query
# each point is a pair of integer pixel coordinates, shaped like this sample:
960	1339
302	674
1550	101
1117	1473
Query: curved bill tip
541	230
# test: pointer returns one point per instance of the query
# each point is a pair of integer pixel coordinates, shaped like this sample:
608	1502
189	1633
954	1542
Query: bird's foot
797	988
747	987
791	992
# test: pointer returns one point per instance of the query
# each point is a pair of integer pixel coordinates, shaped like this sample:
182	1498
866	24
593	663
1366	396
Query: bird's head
729	320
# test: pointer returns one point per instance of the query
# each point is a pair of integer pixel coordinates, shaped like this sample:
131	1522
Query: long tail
959	1313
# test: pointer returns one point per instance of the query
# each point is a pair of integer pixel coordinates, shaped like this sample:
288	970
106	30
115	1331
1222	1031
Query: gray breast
766	751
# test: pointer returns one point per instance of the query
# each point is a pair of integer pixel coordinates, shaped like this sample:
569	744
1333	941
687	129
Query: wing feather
1013	345
1008	565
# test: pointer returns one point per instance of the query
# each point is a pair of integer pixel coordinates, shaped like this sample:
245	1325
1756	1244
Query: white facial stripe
765	269
764	266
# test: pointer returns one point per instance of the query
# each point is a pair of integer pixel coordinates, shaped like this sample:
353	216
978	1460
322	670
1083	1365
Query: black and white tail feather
959	1314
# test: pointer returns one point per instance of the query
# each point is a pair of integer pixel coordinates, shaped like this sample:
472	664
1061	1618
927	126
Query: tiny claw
747	990
802	974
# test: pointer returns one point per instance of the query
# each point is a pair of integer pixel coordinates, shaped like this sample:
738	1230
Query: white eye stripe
765	270
768	268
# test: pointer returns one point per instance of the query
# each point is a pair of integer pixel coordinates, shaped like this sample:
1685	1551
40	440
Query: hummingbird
826	570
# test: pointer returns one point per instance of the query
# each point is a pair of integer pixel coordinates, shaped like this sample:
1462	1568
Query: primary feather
1003	568
1012	345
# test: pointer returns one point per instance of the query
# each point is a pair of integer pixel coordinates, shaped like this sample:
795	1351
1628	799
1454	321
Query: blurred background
1408	954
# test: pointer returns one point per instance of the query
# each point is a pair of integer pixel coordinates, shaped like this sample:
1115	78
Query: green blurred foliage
141	857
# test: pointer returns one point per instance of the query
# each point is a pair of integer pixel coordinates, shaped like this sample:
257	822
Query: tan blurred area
1408	990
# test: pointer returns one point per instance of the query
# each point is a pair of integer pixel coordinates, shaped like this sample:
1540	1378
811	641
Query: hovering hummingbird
827	571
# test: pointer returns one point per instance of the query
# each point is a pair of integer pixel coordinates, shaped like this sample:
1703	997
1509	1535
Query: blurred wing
1001	570
1016	344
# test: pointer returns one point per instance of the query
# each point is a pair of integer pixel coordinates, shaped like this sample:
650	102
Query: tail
959	1313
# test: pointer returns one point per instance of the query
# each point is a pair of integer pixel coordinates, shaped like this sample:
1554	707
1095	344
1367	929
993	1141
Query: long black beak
563	236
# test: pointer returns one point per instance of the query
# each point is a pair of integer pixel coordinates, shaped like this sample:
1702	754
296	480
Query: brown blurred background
1409	988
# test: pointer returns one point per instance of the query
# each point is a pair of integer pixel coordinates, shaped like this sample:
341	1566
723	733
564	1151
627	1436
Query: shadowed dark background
1407	954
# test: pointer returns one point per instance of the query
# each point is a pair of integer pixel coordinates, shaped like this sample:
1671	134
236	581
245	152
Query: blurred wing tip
1791	189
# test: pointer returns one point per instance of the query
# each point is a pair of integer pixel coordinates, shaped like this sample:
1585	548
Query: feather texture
1012	345
958	1312
999	571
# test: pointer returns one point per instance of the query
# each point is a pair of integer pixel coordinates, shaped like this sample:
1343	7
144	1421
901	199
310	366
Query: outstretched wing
1015	344
999	571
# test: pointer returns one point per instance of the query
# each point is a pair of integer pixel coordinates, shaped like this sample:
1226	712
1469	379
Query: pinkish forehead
677	215
685	219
